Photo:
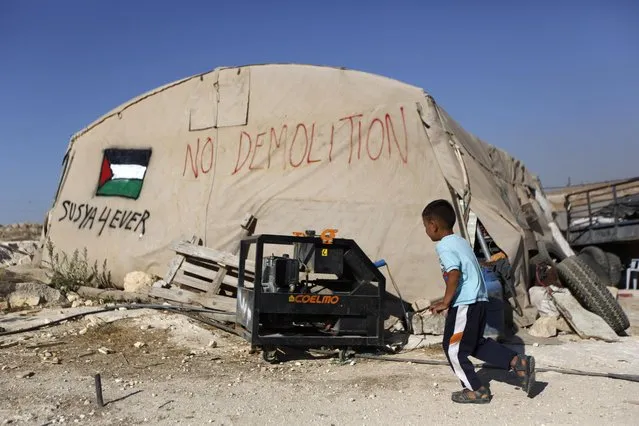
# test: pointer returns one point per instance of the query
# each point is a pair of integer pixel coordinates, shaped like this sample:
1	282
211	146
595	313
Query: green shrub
67	274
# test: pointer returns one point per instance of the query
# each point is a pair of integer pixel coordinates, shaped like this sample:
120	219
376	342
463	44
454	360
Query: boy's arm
451	287
451	264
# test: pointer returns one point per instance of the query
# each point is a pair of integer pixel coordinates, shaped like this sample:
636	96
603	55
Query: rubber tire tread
598	256
603	274
545	250
615	268
583	283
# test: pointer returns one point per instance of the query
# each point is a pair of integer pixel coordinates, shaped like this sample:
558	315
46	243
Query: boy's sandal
481	396
528	379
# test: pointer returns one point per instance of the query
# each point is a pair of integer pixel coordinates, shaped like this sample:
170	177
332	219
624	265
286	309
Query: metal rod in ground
98	390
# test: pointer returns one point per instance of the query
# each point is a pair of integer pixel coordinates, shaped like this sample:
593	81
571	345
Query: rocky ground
165	368
20	232
18	243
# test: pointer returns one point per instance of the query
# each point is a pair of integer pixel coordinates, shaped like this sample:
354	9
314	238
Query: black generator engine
328	294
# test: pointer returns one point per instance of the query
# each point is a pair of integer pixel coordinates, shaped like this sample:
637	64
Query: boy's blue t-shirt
455	253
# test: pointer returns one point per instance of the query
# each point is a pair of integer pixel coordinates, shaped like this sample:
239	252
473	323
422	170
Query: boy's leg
449	327
461	342
488	350
498	355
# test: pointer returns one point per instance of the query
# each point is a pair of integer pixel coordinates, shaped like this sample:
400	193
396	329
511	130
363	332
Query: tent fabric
298	146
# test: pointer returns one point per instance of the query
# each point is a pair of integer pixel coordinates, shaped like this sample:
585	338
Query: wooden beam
198	270
223	303
248	226
175	264
209	254
204	285
195	283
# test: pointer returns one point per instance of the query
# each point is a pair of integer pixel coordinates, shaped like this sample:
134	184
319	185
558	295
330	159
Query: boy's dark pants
463	337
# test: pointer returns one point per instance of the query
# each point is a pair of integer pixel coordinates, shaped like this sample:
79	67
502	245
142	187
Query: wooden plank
201	271
223	303
206	253
185	280
175	264
218	279
203	285
248	225
116	295
229	280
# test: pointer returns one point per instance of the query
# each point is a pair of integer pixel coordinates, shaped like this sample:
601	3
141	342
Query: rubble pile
19	243
17	252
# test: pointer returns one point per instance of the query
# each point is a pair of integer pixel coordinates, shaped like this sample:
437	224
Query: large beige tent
300	147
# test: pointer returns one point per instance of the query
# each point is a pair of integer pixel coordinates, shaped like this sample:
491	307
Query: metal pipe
482	243
98	390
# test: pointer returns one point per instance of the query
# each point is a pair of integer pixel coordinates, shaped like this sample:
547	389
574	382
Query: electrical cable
188	310
618	376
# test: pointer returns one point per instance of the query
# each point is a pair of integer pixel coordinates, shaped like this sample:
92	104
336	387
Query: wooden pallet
205	276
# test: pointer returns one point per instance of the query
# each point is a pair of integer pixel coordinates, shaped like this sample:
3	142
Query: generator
327	294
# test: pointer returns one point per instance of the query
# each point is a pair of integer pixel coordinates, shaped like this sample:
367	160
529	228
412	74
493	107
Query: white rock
138	282
160	284
72	296
17	252
33	294
562	325
138	345
545	326
77	303
541	300
105	351
430	323
418	325
212	344
586	324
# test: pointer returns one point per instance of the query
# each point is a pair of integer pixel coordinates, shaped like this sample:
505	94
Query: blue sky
554	83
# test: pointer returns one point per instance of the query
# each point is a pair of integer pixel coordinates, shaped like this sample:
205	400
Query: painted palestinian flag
122	173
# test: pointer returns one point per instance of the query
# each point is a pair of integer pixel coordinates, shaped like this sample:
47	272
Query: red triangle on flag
105	174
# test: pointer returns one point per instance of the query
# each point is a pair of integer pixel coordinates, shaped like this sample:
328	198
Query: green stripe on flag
129	188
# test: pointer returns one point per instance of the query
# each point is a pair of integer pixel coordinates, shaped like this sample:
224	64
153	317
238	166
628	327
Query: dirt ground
190	374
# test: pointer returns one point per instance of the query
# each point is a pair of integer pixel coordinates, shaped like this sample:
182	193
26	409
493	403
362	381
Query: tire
603	274
615	268
550	252
584	286
598	255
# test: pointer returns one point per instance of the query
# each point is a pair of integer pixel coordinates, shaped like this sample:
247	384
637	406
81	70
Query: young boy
466	299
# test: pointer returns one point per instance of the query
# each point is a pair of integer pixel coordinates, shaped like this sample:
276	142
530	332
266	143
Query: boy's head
439	219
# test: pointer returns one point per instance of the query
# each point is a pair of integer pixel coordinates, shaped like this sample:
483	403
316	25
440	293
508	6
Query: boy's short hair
441	210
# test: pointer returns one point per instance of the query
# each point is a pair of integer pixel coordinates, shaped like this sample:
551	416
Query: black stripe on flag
128	156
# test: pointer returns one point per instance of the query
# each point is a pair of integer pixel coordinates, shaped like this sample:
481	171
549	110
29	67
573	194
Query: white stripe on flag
453	350
128	171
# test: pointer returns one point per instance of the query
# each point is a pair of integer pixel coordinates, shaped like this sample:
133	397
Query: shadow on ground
487	374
